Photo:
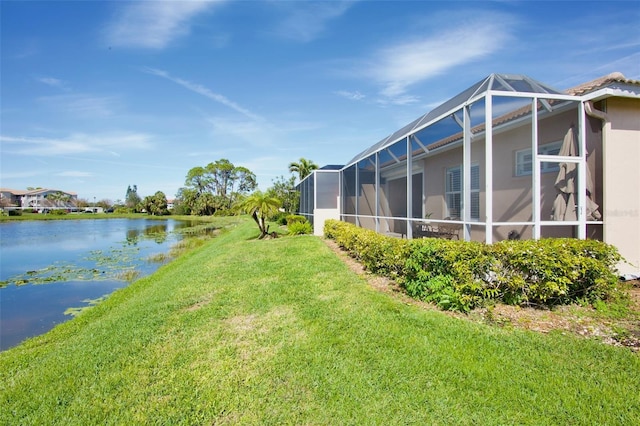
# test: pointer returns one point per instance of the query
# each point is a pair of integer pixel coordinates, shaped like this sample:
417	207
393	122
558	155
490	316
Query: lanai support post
535	175
409	188
582	174
377	175
488	168
466	174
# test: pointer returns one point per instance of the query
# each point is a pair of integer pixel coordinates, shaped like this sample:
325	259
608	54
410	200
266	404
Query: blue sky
96	96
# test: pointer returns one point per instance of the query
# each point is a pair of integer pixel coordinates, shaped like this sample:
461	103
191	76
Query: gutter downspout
591	111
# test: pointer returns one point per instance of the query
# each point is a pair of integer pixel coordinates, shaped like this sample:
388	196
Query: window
453	191
524	159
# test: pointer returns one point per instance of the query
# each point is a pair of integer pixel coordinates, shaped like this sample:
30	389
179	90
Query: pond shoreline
49	275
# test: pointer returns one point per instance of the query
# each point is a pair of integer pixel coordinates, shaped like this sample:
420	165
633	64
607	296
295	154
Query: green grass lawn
241	331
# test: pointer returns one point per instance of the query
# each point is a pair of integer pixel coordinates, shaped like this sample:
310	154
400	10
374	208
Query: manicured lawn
280	331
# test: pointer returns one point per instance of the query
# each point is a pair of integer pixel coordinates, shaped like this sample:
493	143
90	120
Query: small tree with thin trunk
261	206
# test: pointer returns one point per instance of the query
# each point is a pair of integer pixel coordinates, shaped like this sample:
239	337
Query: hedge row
462	275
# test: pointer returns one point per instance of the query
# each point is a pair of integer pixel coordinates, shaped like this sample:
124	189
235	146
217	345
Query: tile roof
590	86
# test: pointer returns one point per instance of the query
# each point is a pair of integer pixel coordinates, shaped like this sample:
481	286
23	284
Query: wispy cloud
353	96
74	174
397	67
53	82
79	143
154	24
244	133
82	104
204	91
306	21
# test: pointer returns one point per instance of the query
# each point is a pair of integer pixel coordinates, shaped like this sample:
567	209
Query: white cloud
307	20
53	82
206	92
397	67
78	143
81	104
154	24
354	96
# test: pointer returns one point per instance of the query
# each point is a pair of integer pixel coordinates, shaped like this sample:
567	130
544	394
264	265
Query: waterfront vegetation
75	216
281	331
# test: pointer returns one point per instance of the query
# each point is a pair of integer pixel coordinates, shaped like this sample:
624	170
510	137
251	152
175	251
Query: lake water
66	264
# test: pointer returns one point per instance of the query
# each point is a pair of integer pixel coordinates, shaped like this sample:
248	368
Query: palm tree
303	167
260	206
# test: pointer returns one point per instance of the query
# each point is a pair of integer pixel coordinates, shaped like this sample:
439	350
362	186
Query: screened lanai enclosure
507	158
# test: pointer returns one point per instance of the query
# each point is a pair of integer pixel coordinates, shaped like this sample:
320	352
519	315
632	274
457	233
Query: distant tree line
214	188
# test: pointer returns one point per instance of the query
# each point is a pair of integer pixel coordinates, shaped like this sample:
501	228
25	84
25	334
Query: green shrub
58	212
295	218
300	228
15	212
280	218
462	275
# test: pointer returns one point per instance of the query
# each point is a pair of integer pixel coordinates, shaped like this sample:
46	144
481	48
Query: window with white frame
524	159
453	191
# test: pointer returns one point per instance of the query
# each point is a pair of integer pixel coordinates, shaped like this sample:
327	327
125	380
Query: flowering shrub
461	275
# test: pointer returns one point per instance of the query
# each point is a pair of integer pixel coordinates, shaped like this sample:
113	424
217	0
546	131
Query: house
41	198
10	197
509	157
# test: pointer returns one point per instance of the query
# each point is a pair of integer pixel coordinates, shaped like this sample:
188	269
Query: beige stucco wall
320	216
622	180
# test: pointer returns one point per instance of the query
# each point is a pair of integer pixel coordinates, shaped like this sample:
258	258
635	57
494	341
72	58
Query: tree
303	168
244	182
185	201
206	204
57	198
82	203
198	178
222	174
260	206
155	204
285	190
132	199
105	203
220	181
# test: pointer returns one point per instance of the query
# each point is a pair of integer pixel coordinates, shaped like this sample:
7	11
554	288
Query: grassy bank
242	331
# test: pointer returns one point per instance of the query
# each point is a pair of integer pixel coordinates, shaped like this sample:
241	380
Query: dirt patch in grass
581	321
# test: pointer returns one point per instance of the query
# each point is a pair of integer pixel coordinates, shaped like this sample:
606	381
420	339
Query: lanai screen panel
349	194
306	197
327	189
367	192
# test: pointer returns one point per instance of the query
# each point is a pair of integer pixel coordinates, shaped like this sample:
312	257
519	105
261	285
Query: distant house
510	157
10	197
40	199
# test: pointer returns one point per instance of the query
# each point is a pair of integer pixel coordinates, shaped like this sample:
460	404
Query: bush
280	218
58	212
14	212
295	218
461	275
300	228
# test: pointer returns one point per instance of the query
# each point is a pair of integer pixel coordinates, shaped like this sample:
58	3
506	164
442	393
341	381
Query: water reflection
157	233
78	261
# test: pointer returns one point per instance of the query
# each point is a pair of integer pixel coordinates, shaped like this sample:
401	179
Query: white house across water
510	157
